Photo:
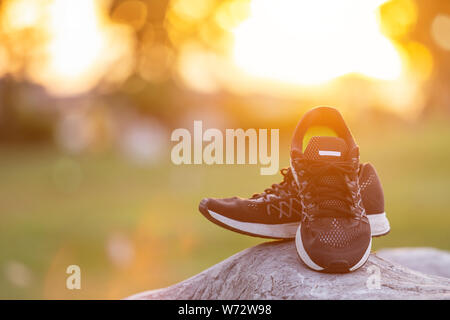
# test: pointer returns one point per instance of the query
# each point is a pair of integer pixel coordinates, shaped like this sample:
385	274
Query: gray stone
273	270
426	260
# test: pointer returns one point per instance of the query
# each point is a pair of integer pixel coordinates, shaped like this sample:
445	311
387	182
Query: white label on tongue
329	153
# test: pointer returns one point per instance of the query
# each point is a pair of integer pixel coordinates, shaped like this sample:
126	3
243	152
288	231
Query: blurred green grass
58	210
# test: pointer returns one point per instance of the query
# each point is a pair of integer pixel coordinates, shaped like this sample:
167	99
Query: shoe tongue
329	149
326	148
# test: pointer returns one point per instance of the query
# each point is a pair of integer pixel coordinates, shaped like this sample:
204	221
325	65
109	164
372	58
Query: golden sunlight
313	42
79	46
74	46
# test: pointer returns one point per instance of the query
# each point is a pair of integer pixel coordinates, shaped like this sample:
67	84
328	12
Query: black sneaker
274	213
334	234
285	210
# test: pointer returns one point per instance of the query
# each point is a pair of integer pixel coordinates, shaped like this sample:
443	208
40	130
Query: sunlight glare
21	14
313	42
75	45
78	46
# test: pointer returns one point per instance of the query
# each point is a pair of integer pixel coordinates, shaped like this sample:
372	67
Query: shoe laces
284	188
326	182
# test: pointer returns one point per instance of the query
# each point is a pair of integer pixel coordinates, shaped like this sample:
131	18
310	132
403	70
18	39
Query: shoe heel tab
321	116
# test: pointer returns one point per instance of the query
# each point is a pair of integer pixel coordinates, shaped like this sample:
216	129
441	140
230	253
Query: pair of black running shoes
328	201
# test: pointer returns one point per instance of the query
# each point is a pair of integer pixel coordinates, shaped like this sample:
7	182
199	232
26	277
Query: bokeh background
91	90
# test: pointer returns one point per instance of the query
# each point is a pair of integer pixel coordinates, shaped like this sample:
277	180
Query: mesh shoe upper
278	204
335	239
371	189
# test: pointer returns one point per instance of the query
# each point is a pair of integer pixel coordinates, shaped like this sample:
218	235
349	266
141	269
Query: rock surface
426	260
273	271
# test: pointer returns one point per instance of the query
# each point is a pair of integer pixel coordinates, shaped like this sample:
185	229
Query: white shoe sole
379	226
279	231
308	261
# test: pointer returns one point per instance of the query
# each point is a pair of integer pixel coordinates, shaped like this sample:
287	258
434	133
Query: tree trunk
273	271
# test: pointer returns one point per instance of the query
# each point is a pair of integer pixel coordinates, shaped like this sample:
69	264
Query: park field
132	228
